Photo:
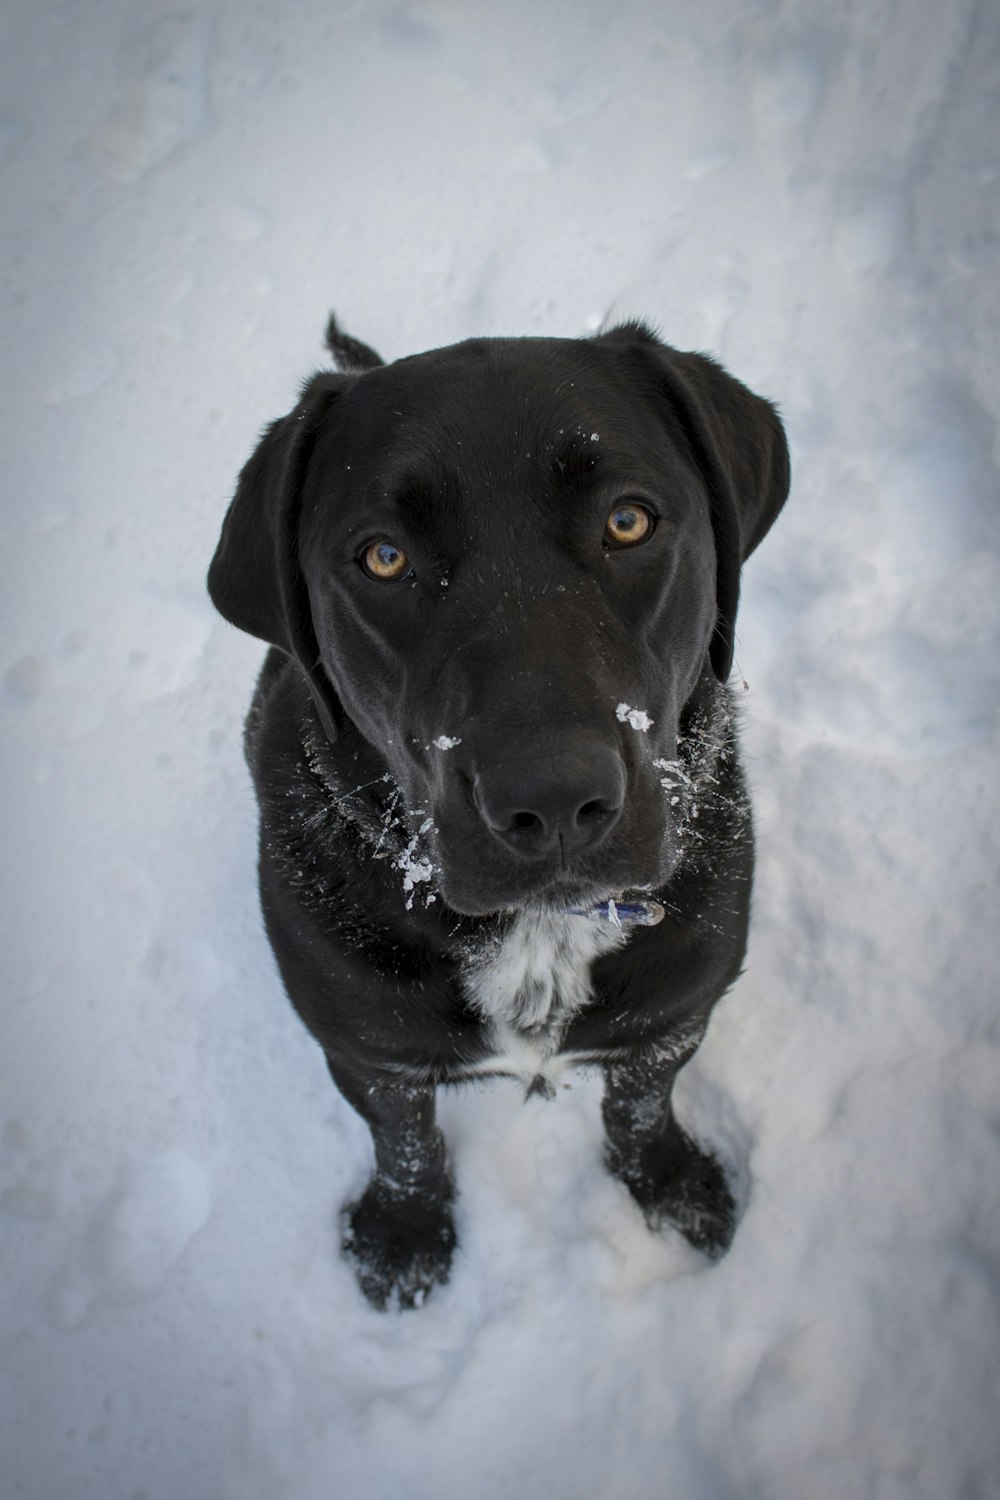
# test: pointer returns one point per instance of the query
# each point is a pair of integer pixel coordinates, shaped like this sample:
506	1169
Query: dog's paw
688	1190
401	1244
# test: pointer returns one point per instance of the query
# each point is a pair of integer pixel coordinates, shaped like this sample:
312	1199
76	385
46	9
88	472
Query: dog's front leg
669	1176
399	1233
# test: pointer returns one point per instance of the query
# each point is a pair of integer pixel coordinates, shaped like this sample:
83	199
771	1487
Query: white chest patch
529	986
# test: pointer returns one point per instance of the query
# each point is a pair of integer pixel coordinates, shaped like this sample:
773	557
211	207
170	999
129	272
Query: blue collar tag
621	913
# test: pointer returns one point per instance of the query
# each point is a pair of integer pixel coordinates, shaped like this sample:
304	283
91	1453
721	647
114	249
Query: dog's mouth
615	889
594	851
625	908
597	832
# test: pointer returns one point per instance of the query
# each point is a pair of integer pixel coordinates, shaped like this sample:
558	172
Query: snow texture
809	192
635	718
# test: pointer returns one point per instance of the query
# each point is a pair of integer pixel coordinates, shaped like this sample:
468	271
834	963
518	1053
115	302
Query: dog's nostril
524	821
592	812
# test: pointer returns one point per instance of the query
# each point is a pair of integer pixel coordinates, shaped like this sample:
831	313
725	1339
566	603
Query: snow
415	867
809	192
635	718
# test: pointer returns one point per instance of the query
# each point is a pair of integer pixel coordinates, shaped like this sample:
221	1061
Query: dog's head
508	564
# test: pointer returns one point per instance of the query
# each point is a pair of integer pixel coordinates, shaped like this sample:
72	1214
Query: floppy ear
255	580
738	443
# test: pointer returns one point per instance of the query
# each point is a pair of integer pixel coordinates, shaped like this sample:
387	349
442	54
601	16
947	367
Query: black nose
557	802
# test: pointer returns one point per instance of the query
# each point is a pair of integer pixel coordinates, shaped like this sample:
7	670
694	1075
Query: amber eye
383	560
627	525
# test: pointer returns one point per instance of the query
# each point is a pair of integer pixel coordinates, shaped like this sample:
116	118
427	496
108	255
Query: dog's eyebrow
419	496
418	510
577	458
415	500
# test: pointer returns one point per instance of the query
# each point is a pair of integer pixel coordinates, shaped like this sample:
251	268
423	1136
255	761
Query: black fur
437	754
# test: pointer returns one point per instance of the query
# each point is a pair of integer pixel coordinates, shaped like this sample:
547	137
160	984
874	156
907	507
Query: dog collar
621	913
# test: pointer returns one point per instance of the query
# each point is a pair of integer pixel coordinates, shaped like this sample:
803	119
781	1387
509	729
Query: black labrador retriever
504	828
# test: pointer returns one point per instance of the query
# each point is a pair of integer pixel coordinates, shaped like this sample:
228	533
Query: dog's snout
564	803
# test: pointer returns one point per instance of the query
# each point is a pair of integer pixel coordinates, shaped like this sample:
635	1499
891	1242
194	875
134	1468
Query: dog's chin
485	903
472	896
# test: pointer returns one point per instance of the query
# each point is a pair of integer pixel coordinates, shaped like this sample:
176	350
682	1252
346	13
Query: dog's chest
528	986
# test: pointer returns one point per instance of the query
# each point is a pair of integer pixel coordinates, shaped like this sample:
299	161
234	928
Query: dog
504	827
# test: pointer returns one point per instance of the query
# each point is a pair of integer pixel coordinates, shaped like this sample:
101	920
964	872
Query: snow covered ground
810	190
